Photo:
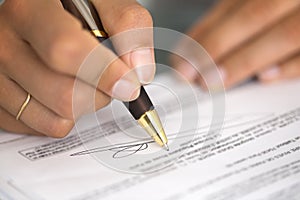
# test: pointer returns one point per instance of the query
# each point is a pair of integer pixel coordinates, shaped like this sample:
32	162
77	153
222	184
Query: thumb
130	27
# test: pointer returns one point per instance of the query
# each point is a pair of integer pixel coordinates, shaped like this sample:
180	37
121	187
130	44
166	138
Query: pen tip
166	147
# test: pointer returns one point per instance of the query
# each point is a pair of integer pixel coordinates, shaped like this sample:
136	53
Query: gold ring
23	106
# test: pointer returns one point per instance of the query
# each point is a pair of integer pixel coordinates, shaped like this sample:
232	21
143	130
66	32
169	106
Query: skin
38	55
249	38
245	39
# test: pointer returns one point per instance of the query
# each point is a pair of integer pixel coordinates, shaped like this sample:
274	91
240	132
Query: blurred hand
42	47
249	38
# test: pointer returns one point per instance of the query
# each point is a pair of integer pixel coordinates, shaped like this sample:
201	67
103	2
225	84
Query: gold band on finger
23	106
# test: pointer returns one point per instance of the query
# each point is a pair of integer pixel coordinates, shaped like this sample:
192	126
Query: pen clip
69	6
85	13
96	18
89	13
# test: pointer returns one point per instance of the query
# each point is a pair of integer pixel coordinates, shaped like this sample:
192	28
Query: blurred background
176	14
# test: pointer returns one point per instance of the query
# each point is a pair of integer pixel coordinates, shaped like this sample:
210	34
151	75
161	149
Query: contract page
252	151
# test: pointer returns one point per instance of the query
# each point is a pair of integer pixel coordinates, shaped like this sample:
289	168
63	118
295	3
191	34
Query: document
255	155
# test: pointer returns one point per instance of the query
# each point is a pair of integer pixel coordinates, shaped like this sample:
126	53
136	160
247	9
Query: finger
288	69
10	124
270	48
35	115
63	45
54	34
131	26
248	20
52	89
113	77
215	16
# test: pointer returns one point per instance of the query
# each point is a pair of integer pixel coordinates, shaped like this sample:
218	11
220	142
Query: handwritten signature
120	151
123	150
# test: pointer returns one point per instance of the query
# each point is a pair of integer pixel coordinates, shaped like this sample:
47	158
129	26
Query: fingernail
188	71
144	65
126	90
269	74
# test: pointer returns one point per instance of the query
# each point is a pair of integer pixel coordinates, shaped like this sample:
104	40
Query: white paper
257	155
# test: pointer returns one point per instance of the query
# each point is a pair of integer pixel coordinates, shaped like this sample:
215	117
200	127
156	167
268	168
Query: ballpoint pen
142	108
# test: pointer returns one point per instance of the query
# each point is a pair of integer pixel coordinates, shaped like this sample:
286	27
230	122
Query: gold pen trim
99	33
152	124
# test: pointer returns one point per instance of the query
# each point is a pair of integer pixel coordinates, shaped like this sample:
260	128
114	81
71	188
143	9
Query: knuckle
246	61
214	46
265	10
63	48
135	16
59	128
8	47
5	56
64	106
10	8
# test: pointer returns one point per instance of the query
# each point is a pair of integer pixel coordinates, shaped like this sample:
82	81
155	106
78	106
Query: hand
42	47
248	38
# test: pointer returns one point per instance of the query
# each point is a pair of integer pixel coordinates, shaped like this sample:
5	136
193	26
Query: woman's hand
250	38
42	47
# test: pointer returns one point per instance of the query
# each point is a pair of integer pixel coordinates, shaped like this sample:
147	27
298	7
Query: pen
142	108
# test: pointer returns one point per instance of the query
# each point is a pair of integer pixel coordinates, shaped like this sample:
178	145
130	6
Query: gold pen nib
152	124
